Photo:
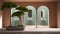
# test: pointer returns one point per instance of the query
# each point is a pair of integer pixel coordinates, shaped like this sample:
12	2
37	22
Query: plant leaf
18	14
22	9
6	5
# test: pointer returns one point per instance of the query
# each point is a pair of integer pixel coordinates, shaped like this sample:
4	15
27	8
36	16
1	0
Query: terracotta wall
58	14
5	16
0	7
52	12
30	0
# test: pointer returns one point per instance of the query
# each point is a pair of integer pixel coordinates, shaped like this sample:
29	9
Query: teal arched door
43	15
30	20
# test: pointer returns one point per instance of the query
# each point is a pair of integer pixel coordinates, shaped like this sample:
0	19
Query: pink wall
6	18
54	13
30	0
58	14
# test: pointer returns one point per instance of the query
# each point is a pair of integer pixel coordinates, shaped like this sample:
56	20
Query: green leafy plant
24	9
20	12
9	5
6	5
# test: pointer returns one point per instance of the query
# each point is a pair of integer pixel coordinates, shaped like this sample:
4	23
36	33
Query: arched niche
43	19
32	19
14	20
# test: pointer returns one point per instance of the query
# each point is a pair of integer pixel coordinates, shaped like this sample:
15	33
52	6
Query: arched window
30	13
43	15
30	17
14	20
